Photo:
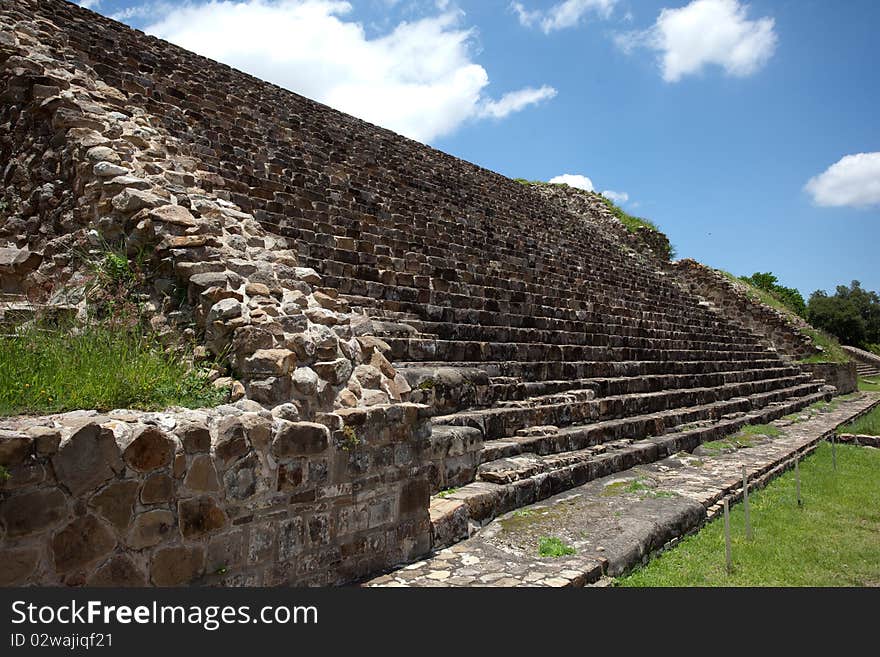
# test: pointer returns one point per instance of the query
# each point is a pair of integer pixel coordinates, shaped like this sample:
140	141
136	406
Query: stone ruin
399	323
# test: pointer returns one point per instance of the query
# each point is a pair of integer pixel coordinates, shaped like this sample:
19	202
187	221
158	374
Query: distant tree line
851	314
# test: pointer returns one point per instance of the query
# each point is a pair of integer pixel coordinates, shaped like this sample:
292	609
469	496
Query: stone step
580	436
372	280
590	322
430	304
598	334
450	390
555	370
504	421
420	349
454	513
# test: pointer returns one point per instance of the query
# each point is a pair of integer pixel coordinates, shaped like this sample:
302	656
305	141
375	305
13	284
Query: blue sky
748	131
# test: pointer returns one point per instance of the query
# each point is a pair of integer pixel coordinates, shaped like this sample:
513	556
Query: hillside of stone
420	344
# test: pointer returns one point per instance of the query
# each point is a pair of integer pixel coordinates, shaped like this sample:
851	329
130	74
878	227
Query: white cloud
565	14
618	197
515	101
418	79
88	4
854	180
585	183
574	180
706	32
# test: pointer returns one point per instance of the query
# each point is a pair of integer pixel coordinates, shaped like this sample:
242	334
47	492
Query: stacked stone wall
779	329
221	497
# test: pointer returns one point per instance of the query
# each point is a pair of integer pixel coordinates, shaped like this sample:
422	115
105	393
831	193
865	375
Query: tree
788	296
837	315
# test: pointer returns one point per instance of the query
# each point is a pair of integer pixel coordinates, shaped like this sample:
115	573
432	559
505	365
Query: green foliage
50	369
350	439
867	425
789	297
830	541
4	473
831	349
852	314
551	546
443	494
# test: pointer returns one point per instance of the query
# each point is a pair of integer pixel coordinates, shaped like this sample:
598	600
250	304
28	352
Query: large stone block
157	488
115	502
202	475
33	511
14	447
150	449
87	459
118	570
17	565
176	566
150	528
199	517
300	439
82	542
269	362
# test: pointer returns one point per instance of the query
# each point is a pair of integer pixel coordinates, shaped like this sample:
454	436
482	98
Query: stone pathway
616	522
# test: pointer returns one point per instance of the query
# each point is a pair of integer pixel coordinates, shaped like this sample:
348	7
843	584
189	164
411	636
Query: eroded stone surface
616	522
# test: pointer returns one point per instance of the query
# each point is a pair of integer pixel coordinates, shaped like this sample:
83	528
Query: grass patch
830	541
832	352
823	406
869	385
620	487
551	546
746	438
443	494
867	425
637	487
98	366
760	430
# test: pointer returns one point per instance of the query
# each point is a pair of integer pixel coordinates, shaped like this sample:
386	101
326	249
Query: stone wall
842	376
221	497
283	487
780	330
862	356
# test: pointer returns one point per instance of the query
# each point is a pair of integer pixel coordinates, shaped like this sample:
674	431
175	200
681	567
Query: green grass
745	438
867	425
551	546
98	366
443	494
869	385
760	430
830	541
832	351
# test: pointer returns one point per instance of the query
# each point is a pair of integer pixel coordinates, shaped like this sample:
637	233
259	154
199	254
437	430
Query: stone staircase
527	406
547	351
867	363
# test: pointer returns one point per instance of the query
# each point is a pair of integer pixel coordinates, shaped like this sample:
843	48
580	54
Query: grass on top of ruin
829	541
99	366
